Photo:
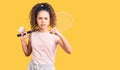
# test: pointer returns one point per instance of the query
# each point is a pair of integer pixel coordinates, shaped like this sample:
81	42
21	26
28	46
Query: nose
42	20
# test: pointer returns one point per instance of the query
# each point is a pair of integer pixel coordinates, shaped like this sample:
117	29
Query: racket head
64	21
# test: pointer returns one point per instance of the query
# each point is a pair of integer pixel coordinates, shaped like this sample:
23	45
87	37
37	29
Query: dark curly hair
37	8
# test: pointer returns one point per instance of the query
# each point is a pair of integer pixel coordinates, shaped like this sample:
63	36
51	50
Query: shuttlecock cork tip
21	29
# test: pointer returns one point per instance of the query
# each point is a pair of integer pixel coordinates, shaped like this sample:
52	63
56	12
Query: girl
42	43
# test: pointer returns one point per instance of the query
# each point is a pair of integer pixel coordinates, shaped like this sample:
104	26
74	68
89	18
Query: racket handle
28	32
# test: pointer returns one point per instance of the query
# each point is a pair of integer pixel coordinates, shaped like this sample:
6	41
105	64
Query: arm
27	49
63	41
65	44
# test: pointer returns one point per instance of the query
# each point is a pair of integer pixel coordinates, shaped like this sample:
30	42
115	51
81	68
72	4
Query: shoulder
34	33
54	36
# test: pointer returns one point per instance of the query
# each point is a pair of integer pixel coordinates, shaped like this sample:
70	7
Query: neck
43	30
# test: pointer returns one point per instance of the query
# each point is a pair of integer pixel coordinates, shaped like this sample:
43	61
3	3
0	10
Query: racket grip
28	32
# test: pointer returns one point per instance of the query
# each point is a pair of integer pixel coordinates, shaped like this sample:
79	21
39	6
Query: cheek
38	21
49	20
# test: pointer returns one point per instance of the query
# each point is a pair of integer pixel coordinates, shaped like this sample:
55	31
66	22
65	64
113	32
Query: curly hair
37	8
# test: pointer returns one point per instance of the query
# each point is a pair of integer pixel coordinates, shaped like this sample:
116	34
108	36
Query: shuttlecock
21	29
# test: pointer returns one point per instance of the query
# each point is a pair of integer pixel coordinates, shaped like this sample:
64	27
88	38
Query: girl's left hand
54	30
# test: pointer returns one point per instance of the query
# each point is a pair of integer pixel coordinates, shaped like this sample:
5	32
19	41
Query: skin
43	21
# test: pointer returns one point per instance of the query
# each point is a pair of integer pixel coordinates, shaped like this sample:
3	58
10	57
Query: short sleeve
56	38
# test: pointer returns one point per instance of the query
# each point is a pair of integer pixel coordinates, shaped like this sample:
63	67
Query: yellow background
94	35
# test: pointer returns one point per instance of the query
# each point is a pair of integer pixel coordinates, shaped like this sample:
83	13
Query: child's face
43	19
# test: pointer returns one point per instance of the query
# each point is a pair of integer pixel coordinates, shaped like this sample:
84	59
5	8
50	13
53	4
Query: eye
46	18
39	17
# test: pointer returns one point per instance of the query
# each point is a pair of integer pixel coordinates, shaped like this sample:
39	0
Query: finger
52	31
23	33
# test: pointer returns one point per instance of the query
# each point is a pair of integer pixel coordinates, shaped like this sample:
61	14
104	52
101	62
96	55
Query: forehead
43	13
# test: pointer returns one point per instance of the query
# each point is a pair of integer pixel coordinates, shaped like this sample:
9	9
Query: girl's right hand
23	35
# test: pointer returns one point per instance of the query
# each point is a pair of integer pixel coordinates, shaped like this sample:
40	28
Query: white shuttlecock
21	29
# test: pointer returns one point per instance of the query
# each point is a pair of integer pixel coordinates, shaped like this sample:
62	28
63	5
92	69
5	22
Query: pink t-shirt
43	47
